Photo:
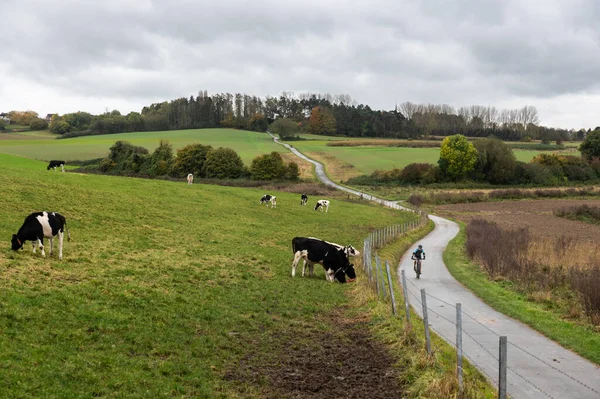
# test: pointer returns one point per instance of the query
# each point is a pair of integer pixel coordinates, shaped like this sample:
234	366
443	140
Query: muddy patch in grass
342	362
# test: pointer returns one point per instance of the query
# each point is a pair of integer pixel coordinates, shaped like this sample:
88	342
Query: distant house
48	117
4	117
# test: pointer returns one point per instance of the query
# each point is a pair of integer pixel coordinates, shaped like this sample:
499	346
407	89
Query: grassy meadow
247	144
163	288
346	162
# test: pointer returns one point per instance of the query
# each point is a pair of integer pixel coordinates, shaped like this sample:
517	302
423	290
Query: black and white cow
40	225
266	199
349	250
334	261
323	204
303	199
54	164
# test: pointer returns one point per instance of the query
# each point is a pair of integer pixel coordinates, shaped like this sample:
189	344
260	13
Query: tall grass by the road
502	194
550	314
163	288
560	270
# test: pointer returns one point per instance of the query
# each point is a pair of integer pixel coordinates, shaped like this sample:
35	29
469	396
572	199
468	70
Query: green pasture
370	158
247	144
164	288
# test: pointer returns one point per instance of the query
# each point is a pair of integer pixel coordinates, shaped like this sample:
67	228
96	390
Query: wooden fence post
389	275
502	369
405	291
426	321
459	354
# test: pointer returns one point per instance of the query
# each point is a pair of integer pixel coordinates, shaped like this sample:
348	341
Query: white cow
323	204
190	178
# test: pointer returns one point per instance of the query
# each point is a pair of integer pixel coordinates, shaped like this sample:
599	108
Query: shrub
223	163
161	161
268	167
416	173
457	157
190	159
496	162
590	148
39	124
284	127
293	171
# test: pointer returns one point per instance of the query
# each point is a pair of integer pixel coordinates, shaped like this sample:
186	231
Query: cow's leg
33	243
303	267
297	257
41	245
51	245
63	167
60	244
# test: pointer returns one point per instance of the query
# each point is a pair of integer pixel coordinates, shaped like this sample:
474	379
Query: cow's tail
67	230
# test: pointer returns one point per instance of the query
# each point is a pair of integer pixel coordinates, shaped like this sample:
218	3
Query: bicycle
417	266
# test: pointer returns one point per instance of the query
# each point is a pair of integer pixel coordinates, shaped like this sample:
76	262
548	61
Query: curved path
537	366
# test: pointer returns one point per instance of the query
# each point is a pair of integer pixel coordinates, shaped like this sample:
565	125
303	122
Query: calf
38	226
349	250
303	199
190	178
323	204
54	164
266	199
334	261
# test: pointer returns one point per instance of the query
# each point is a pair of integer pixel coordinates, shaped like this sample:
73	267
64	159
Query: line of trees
203	161
323	114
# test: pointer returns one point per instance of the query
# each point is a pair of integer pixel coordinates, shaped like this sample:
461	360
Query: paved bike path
538	367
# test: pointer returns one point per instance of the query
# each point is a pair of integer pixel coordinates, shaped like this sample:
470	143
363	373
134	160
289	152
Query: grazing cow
303	199
334	261
54	164
38	226
190	178
349	250
323	204
266	199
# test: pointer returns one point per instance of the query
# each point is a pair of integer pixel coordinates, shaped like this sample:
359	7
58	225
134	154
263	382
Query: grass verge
502	296
422	376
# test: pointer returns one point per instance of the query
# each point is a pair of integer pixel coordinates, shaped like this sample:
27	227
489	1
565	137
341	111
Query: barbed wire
530	383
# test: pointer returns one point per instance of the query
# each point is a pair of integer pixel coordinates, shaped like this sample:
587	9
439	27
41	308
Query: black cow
54	164
303	199
40	225
334	260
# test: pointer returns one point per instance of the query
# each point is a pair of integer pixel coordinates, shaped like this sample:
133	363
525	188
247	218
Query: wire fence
489	353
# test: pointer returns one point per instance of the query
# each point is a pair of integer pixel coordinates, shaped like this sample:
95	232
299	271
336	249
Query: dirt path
344	362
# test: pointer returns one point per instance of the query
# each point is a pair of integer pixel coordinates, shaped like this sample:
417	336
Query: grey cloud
379	51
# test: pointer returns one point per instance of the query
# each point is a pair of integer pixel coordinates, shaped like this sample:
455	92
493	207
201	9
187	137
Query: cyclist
418	254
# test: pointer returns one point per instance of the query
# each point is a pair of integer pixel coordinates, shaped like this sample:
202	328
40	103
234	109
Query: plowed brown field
537	215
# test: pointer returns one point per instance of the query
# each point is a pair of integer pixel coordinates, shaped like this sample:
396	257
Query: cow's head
351	251
16	244
48	168
317	206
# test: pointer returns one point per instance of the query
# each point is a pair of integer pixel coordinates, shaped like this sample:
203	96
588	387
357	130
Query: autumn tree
457	157
322	121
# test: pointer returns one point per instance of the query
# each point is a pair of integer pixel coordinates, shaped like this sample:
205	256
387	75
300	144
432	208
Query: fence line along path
537	366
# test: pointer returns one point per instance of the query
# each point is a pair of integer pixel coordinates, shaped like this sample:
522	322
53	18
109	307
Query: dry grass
306	168
337	169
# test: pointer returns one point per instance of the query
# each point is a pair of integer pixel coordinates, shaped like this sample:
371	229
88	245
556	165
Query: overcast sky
64	55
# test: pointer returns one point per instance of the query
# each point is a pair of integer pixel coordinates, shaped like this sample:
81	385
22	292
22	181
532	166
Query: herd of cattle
333	257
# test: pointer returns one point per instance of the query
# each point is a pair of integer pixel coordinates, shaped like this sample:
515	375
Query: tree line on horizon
321	114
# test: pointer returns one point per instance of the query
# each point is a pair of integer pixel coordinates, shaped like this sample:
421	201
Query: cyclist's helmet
420	246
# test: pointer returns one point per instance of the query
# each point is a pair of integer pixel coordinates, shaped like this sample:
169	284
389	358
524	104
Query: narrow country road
537	366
